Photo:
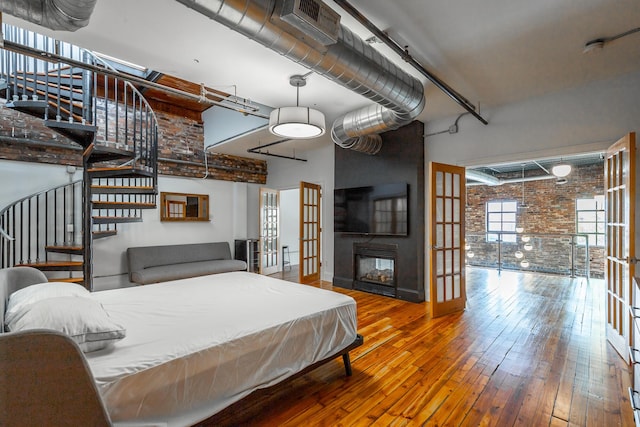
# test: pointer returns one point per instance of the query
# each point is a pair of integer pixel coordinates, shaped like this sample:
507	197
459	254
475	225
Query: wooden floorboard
529	350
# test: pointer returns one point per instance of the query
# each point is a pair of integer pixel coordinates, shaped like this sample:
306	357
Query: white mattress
195	346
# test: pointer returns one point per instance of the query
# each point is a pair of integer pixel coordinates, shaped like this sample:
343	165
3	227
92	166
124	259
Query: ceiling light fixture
598	44
297	122
561	170
523	205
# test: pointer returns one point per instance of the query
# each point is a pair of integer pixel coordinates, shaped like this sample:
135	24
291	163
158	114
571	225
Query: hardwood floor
529	350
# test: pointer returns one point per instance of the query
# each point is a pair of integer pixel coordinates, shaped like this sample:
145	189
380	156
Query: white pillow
21	299
83	319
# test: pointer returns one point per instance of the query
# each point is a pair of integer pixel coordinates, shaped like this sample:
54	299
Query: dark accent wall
401	159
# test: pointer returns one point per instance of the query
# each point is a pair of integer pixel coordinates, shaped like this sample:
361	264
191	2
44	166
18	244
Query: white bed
195	346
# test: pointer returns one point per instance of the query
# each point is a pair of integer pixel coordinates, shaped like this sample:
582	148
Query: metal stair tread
123	205
119	172
71	125
115	219
54	265
122	189
99	234
26	103
79	280
70	249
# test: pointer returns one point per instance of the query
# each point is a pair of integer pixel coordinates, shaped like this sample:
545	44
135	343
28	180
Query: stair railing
123	117
35	222
28	78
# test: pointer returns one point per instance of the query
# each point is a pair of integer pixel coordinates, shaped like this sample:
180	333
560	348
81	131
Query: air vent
313	18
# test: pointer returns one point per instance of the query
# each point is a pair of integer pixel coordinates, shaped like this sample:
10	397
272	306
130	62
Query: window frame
595	236
508	236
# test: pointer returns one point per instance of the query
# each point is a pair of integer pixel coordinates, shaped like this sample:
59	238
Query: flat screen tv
373	210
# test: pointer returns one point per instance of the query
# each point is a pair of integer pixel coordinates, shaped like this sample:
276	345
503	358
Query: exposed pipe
59	15
258	150
404	54
486	179
52	57
350	62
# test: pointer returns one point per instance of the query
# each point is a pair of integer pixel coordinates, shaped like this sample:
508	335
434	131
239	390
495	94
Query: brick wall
551	211
180	148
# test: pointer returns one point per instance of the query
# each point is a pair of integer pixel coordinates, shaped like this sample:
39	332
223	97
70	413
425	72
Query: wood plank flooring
529	350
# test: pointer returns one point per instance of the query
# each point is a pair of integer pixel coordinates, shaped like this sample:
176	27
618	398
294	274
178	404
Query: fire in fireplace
375	268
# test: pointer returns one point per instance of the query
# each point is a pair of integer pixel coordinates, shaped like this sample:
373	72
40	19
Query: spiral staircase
81	96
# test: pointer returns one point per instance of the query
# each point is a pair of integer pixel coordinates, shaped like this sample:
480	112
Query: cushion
21	299
83	319
165	273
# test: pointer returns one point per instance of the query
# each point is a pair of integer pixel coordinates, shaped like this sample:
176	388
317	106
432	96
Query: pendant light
297	122
561	170
520	228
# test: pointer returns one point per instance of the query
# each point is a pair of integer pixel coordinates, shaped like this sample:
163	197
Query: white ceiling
493	52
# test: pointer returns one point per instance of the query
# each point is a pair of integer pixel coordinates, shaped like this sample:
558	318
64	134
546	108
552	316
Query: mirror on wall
184	207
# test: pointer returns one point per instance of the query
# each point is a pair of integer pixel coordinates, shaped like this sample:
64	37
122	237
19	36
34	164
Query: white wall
228	222
21	179
579	120
228	212
318	169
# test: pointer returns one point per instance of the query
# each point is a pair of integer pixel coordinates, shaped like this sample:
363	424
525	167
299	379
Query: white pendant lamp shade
296	122
561	170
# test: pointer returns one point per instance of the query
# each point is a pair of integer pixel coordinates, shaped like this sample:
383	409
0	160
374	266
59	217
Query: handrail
118	73
498	260
6	235
31	196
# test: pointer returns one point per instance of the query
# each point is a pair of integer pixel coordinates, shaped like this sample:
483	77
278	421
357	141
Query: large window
501	217
590	219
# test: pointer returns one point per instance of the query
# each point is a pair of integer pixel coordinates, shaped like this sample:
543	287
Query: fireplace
375	268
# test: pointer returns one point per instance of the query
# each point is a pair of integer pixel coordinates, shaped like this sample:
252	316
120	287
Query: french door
620	260
446	239
310	195
269	230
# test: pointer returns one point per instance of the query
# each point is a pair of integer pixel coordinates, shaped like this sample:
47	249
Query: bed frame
16	347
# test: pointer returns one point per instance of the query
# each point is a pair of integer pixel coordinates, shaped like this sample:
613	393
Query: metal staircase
109	118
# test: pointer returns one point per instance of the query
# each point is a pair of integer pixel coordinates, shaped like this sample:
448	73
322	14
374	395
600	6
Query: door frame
316	222
620	249
271	268
443	250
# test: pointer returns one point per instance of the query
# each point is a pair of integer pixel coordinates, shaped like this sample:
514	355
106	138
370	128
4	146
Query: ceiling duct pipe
59	15
350	62
482	178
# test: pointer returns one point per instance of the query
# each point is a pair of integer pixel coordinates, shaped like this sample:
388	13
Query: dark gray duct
350	62
63	15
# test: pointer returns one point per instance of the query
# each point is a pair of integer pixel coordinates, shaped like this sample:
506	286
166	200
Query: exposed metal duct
59	15
350	62
486	179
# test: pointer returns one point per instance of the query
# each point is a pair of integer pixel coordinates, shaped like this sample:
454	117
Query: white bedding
195	346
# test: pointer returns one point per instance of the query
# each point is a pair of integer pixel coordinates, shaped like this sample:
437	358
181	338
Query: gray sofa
153	264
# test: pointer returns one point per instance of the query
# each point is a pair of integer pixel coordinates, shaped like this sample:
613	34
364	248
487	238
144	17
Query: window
501	217
590	219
